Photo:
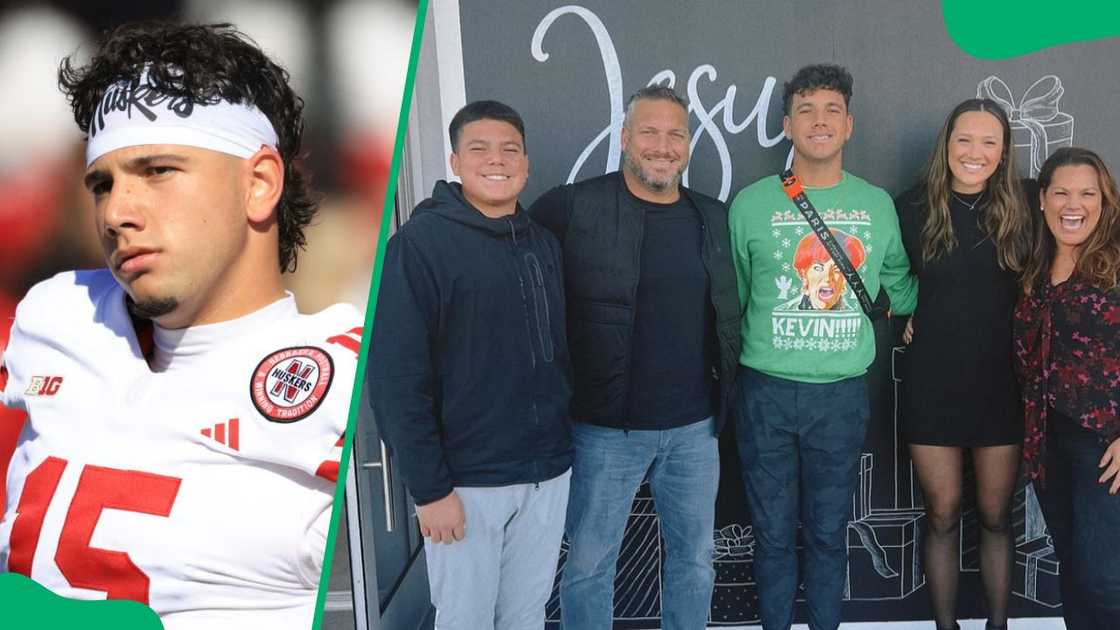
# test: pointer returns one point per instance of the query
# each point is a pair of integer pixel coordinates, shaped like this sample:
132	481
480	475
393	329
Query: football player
184	420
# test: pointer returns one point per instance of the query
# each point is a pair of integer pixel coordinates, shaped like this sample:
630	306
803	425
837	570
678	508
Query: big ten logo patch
43	386
289	384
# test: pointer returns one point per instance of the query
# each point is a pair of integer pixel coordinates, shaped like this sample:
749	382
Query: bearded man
653	318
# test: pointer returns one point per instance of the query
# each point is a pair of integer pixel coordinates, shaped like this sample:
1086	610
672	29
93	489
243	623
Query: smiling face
655	148
491	163
975	149
818	124
173	227
1072	205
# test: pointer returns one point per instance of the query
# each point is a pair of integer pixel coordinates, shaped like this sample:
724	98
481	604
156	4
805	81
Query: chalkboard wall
568	69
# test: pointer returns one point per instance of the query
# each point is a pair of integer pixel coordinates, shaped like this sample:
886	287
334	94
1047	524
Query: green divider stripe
382	236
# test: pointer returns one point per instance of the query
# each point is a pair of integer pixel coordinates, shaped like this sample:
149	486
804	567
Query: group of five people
534	366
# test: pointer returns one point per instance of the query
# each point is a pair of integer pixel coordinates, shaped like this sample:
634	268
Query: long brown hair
1006	219
1097	260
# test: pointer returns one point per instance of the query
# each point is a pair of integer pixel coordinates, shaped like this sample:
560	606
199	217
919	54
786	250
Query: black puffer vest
602	241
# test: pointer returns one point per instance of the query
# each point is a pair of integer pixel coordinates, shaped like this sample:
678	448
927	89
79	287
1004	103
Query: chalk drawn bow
1038	106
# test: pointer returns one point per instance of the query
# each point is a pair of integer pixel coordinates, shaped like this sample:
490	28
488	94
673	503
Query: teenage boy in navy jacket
469	380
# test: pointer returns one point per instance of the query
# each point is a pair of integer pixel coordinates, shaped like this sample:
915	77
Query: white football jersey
200	483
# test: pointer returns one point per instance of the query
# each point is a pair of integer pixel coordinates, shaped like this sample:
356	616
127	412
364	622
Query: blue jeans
609	465
799	444
1083	520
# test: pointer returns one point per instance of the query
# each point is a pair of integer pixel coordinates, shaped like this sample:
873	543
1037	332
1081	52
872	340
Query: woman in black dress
966	229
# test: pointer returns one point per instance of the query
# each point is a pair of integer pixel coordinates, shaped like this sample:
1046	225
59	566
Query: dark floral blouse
1067	346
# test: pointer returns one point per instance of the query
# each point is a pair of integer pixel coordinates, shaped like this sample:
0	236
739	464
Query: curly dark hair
815	77
206	63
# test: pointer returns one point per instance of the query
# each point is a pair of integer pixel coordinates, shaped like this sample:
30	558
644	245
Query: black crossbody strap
796	193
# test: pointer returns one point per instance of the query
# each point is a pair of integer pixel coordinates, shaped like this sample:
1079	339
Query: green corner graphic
26	604
1002	30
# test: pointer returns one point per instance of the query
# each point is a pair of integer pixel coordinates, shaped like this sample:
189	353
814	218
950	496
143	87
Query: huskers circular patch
289	384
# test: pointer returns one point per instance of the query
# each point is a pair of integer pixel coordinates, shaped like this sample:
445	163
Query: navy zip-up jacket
468	365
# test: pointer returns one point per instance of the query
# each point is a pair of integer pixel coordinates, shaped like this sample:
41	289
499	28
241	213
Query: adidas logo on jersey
221	435
43	386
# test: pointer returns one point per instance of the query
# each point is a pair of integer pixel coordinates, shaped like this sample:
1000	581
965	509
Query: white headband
142	114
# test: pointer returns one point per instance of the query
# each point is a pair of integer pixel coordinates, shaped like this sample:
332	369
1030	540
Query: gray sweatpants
499	577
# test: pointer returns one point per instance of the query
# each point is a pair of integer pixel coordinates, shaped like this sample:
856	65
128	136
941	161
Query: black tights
939	473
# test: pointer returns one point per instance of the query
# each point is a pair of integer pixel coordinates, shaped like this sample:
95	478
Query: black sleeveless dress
958	385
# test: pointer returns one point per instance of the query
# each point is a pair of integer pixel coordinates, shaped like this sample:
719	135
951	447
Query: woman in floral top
1067	342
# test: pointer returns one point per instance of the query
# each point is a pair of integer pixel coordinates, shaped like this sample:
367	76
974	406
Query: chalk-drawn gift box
1037	125
637	582
734	599
884	555
1037	572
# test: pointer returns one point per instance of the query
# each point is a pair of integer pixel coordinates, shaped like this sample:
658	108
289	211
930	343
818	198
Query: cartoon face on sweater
822	283
811	285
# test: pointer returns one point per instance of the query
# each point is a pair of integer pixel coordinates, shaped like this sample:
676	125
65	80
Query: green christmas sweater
802	321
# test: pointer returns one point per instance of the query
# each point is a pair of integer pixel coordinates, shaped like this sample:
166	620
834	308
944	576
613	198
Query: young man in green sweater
802	406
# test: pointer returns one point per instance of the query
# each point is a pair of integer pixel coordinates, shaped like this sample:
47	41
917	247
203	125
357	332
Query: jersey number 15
98	488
